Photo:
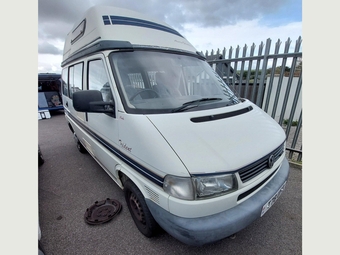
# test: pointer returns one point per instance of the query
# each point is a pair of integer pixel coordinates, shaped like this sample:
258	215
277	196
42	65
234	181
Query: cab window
97	79
75	78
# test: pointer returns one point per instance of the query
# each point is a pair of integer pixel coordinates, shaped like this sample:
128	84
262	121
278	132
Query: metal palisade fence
272	79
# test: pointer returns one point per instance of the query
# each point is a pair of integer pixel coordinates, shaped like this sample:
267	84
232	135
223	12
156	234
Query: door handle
67	104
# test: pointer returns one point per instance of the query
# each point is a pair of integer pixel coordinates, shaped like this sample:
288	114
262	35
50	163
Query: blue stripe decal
106	20
120	20
136	166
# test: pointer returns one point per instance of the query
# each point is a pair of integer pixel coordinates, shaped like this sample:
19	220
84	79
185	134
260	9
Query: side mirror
91	101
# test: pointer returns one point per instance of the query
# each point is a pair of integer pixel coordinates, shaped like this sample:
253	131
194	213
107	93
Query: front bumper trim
209	229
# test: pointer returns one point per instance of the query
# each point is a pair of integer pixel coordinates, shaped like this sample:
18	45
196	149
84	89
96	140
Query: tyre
139	211
40	249
81	148
40	157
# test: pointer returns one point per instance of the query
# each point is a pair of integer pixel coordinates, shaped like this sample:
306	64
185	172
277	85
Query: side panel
99	129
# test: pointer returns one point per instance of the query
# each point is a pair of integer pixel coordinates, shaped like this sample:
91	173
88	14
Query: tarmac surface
70	182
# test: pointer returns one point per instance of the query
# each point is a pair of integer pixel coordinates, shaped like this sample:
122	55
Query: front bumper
203	230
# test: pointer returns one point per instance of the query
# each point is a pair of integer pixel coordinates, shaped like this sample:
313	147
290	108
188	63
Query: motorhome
190	156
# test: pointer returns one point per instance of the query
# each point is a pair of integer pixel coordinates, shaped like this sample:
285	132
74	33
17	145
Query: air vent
152	194
222	115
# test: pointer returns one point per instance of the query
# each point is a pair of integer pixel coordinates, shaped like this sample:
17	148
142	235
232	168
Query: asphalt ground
70	182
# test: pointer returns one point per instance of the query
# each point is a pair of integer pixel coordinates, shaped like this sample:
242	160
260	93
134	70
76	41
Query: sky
208	25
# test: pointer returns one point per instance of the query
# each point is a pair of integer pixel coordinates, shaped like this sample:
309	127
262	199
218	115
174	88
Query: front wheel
139	210
81	148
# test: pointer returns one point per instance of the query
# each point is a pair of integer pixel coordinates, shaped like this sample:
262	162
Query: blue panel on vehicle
119	20
42	100
106	20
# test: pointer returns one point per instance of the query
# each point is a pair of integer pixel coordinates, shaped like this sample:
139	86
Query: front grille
248	192
250	171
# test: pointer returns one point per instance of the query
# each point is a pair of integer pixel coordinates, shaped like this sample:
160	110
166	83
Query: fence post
272	75
295	101
228	69
258	62
289	83
252	49
279	84
263	74
235	68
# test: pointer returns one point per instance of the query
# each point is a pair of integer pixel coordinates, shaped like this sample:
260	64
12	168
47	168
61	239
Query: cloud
47	48
48	63
246	32
208	25
215	13
176	12
56	18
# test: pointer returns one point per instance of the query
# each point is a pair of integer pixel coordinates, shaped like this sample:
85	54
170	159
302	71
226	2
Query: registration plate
271	201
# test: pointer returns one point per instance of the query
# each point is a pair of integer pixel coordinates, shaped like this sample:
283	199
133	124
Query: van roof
108	27
48	76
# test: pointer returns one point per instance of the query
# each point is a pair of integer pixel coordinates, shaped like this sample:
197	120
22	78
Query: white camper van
190	156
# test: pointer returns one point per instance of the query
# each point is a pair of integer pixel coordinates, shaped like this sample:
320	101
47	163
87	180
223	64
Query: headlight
207	186
180	187
199	187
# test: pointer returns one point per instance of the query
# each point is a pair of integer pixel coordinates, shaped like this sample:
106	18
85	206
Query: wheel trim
136	208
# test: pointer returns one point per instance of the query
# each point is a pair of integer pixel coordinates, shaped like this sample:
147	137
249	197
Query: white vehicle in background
190	156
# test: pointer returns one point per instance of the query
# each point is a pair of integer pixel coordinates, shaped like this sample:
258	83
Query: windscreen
161	82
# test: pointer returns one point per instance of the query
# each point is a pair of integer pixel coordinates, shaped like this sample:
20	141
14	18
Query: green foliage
268	71
252	74
294	122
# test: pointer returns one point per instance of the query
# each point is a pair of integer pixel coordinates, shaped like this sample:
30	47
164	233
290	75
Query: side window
75	78
97	79
64	76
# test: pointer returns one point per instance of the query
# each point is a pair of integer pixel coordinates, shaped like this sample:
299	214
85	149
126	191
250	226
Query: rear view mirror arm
98	106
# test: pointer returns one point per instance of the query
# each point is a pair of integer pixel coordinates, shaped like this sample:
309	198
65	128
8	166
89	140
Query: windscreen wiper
195	103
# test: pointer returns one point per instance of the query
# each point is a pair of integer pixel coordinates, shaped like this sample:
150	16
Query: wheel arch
125	175
140	181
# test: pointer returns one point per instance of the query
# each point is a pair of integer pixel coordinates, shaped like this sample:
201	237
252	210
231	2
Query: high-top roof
125	27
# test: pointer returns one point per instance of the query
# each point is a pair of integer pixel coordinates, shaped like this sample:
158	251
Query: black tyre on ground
40	157
81	148
139	210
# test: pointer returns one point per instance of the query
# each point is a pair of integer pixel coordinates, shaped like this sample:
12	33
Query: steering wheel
143	91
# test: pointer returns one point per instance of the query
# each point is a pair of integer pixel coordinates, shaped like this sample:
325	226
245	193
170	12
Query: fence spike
245	50
224	51
230	52
237	51
278	42
277	46
261	46
287	45
298	44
